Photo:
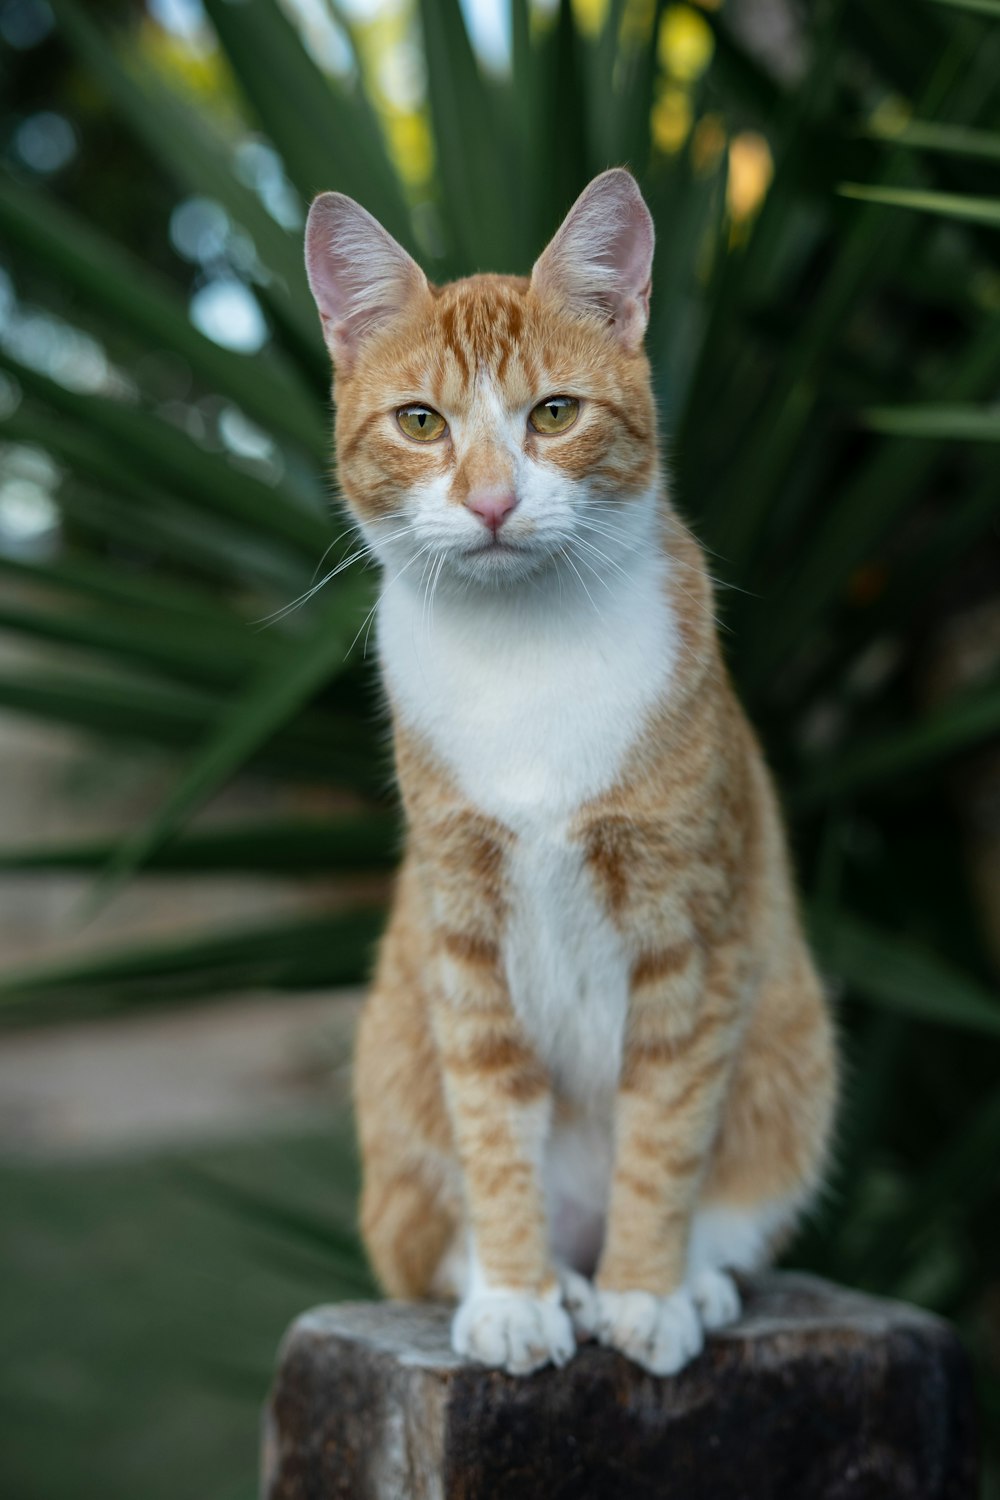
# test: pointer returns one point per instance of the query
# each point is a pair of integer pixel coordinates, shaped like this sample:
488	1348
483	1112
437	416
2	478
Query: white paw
716	1297
660	1333
579	1298
513	1331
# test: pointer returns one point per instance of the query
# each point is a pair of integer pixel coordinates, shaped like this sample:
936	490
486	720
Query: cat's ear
360	277
601	259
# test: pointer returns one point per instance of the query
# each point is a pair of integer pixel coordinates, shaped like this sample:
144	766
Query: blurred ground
211	1072
203	1256
55	789
247	1064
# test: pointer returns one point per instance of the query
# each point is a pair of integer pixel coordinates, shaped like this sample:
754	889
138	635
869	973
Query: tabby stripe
469	948
661	963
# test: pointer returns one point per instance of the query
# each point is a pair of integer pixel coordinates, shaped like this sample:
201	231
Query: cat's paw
717	1298
662	1334
513	1331
579	1297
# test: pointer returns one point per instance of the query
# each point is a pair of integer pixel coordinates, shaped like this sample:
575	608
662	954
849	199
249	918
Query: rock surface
817	1394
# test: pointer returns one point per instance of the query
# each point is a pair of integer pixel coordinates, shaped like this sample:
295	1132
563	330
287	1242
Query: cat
596	1073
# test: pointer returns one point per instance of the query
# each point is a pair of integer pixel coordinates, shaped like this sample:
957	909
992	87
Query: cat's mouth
495	546
499	559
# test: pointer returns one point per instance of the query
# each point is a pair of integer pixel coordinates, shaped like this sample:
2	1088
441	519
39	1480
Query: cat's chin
494	564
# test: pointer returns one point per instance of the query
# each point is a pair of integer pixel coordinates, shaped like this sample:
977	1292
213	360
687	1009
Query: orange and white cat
595	1073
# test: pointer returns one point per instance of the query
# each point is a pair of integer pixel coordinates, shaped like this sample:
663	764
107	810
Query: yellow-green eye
421	422
555	414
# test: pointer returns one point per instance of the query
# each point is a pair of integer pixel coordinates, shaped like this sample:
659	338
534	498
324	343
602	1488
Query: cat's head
496	424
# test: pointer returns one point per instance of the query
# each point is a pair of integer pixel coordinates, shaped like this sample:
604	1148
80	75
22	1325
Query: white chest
566	965
533	703
531	700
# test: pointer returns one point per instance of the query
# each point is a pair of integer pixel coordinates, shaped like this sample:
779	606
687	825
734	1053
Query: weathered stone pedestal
818	1394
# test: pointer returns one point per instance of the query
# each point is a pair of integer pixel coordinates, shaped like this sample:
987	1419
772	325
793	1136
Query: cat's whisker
582	542
434	586
432	571
604	556
335	543
583	585
600	578
616	536
287	609
611	535
364	551
699	604
424	585
352	526
369	617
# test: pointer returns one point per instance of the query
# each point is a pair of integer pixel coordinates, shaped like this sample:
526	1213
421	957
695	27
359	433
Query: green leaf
930	135
144	307
474	164
967	424
783	423
960	1176
331	138
336	1245
878	491
122	505
80	575
960	724
155	643
285	685
559	114
903	975
167	716
367	841
195	155
617	73
949	205
756	89
160	714
975	7
142	444
742	277
306	952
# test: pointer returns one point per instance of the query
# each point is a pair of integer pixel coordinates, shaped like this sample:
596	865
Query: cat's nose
492	507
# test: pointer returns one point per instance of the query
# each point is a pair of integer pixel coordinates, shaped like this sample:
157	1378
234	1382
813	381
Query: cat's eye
555	414
421	422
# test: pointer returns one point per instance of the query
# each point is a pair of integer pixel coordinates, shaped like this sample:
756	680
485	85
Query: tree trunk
817	1394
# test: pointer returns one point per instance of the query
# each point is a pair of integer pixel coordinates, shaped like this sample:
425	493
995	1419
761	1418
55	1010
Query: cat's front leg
675	1068
500	1102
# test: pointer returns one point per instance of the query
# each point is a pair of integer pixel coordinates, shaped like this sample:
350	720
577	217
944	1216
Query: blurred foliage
826	347
138	1345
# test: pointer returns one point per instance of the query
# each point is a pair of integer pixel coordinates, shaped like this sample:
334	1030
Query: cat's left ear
359	275
601	259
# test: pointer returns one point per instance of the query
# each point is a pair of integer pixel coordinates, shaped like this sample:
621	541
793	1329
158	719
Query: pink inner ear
602	255
358	274
630	252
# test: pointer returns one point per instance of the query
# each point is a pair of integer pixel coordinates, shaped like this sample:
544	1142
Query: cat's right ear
360	277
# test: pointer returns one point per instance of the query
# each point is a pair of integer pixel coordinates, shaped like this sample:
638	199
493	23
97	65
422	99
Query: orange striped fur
666	869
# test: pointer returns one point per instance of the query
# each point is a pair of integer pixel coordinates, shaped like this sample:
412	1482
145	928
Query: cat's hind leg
728	1237
769	1157
411	1204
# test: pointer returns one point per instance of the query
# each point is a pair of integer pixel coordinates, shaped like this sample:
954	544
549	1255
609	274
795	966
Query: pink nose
492	507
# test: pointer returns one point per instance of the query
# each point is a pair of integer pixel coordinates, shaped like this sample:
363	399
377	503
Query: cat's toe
513	1331
580	1301
717	1298
662	1334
